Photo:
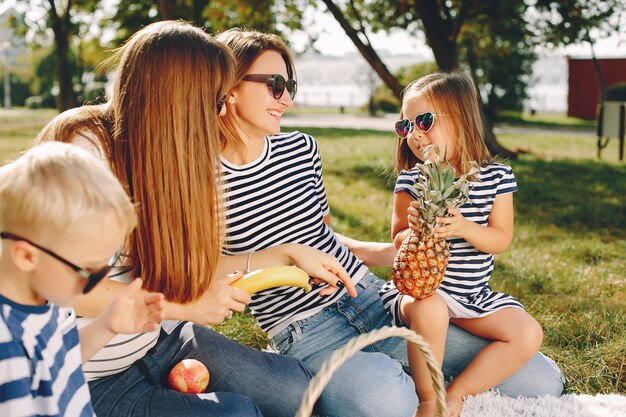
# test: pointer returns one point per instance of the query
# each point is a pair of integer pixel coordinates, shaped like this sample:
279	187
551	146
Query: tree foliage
495	41
212	15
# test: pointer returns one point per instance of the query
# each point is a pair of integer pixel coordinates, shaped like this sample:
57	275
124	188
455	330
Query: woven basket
319	382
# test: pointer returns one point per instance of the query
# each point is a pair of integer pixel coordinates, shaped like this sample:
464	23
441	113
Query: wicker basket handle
319	382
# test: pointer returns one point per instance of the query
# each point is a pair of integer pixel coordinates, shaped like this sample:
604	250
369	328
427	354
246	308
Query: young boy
63	220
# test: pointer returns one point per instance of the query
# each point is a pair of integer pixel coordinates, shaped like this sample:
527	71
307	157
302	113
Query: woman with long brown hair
159	133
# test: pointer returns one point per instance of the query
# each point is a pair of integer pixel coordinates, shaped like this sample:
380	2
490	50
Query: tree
492	40
571	21
63	18
63	30
212	15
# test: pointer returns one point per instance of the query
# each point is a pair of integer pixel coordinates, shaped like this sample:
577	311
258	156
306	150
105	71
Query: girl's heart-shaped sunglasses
424	122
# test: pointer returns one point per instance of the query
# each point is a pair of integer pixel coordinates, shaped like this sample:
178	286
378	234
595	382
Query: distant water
348	80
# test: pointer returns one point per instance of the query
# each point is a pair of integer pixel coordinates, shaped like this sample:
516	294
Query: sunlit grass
567	263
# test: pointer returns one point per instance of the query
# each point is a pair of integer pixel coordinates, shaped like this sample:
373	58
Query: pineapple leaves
438	190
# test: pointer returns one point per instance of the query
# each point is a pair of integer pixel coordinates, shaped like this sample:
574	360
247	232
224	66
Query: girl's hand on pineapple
455	225
414	216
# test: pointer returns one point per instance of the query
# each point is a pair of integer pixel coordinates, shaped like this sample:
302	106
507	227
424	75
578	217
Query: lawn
567	262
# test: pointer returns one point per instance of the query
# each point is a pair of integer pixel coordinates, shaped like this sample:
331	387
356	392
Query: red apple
189	376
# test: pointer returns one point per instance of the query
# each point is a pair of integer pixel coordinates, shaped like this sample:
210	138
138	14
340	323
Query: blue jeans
376	382
244	381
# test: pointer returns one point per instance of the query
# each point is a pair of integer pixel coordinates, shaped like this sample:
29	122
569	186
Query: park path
386	122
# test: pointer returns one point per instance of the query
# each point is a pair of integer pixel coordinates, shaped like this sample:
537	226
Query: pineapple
421	261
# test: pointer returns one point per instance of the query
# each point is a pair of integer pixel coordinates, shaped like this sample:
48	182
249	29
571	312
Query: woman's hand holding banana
322	267
218	302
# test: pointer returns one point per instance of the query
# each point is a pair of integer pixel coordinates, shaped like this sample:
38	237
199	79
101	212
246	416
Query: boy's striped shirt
40	362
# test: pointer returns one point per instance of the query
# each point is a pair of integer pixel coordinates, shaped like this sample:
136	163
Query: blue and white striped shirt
280	198
469	270
40	362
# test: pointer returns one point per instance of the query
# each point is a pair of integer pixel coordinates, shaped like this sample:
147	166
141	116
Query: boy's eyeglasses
424	122
277	82
92	277
220	104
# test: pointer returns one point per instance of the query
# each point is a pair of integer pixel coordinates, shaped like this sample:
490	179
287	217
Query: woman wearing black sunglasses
275	194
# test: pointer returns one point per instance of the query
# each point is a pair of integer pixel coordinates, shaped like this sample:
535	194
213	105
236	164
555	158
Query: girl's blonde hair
247	46
54	185
91	123
454	94
162	138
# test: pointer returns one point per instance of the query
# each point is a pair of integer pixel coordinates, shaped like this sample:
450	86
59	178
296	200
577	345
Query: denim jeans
243	381
376	382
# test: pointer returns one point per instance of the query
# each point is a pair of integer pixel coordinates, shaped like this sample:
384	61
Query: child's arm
132	311
494	238
371	253
399	217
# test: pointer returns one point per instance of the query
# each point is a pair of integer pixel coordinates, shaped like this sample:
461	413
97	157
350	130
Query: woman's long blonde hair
247	46
451	93
160	133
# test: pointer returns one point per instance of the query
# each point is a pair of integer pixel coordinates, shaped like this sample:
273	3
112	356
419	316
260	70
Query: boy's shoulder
34	323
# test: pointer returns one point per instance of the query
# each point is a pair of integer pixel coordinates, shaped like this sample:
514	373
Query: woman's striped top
280	198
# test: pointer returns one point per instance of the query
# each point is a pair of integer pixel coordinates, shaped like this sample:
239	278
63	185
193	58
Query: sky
333	41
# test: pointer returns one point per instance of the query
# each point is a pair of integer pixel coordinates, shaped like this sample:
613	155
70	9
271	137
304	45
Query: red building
584	90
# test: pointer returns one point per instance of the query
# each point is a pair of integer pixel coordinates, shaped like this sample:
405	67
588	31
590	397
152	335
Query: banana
276	276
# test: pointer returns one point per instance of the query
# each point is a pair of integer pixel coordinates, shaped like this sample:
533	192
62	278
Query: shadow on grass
543	122
578	196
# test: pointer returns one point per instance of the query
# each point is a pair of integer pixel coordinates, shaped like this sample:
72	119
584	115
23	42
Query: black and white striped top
467	276
123	350
280	198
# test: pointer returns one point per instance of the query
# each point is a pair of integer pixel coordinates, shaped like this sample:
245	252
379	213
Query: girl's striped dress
465	286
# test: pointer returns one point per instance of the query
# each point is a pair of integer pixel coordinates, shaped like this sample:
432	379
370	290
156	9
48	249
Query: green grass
567	262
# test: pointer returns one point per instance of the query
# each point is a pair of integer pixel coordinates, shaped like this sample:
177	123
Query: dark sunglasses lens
95	278
292	88
424	121
278	87
403	127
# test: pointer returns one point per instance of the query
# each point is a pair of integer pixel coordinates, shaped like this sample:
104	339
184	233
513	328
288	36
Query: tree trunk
61	28
495	148
166	9
366	51
441	34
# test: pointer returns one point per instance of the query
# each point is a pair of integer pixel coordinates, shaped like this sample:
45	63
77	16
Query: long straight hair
450	93
247	46
165	150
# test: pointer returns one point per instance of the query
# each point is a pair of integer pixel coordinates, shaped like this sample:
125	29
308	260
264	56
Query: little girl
441	109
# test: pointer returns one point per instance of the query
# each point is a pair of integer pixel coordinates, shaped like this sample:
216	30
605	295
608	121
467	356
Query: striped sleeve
507	183
319	182
406	183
